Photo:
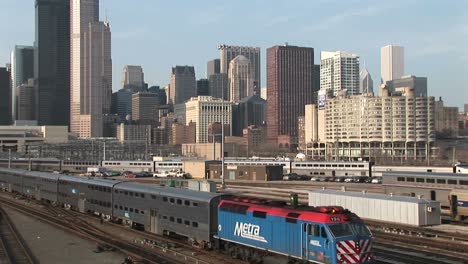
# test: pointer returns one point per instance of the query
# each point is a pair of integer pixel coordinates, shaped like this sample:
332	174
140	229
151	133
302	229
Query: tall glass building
52	61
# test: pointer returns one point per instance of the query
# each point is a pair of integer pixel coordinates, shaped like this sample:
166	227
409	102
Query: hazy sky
160	34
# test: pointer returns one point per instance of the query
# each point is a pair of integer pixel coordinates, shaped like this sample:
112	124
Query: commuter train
450	189
242	227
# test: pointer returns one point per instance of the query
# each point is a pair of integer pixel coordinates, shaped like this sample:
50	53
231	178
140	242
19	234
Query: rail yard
408	232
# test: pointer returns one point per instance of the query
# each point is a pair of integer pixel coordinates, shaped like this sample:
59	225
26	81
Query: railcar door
315	243
154	220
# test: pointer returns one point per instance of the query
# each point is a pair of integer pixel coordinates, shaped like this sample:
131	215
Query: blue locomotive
249	229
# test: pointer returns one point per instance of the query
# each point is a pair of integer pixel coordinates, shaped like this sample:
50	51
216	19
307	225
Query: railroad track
13	249
168	250
111	242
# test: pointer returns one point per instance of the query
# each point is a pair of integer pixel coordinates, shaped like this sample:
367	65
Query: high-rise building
91	69
203	87
419	84
392	64
240	77
133	78
122	103
466	108
228	53
22	69
183	84
366	84
311	123
372	127
212	67
25	101
161	94
5	97
290	82
144	107
204	110
219	87
52	61
249	111
446	120
339	71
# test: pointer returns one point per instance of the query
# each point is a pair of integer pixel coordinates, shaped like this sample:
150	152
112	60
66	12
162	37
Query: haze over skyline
159	34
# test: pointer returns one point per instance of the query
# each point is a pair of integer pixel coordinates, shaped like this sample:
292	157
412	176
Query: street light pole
223	185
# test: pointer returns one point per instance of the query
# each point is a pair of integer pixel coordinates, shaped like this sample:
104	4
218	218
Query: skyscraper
133	77
392	64
241	80
5	97
25	101
52	61
183	84
91	69
366	84
339	71
290	82
203	87
228	53
219	86
22	69
144	107
212	67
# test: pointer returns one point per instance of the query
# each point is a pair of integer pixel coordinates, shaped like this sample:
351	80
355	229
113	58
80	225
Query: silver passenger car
168	211
86	194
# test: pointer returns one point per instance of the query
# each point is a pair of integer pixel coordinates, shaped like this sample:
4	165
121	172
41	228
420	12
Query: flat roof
375	196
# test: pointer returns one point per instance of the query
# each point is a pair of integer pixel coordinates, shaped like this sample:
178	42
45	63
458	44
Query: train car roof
38	174
312	214
168	191
376	196
424	174
87	180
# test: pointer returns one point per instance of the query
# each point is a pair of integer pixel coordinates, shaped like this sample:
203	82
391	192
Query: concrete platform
52	245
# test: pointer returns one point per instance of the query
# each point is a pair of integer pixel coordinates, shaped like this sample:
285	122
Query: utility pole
223	184
9	158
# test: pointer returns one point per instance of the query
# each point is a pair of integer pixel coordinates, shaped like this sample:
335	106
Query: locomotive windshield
349	229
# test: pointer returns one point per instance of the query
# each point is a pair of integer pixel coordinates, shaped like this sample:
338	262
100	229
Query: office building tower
25	101
240	77
52	62
419	84
161	94
251	110
212	67
22	69
144	107
133	78
91	69
203	87
392	63
183	84
5	97
228	53
122	103
465	106
290	82
366	84
219	87
316	80
339	72
204	110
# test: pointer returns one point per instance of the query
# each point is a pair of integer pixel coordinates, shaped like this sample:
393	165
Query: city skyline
437	37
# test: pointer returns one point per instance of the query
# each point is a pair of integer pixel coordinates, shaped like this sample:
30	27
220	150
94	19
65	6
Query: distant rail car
433	186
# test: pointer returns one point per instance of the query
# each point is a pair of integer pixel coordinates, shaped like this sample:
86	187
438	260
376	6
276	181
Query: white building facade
203	111
339	71
133	77
370	127
392	64
241	79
